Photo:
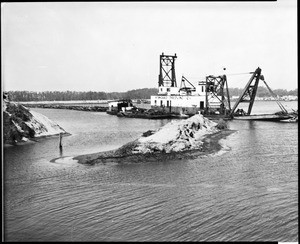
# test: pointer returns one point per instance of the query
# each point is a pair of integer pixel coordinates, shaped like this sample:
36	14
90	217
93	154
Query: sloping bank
21	124
176	140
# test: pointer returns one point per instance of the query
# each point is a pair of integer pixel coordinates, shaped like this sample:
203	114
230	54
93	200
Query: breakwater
93	108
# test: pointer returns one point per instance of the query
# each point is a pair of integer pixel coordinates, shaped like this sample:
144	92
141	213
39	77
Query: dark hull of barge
152	116
263	117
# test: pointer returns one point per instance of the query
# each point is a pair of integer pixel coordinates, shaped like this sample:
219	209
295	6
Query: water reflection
230	197
60	145
251	125
61	151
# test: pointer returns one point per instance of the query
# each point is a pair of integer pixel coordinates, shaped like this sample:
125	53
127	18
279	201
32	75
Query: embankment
93	108
20	124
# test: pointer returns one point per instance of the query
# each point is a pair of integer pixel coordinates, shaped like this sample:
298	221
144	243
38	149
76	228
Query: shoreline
33	139
89	108
211	145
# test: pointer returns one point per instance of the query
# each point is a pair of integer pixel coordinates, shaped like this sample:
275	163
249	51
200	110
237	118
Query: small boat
264	117
114	107
292	120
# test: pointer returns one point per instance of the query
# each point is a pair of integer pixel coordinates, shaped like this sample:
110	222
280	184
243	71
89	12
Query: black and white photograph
150	121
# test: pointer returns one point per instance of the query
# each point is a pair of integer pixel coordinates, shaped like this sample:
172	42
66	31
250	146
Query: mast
167	77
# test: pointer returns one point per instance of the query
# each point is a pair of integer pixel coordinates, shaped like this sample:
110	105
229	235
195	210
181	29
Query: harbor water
248	191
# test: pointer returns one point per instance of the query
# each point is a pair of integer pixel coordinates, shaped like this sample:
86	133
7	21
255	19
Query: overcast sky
115	46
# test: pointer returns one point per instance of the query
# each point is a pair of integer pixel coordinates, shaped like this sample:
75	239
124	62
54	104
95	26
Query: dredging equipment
209	97
248	96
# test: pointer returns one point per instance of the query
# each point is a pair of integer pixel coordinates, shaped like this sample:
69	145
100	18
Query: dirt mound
177	136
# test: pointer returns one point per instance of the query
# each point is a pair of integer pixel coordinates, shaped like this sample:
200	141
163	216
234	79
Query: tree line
264	92
144	93
24	96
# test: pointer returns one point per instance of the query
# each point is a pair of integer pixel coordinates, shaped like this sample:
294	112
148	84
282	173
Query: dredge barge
209	97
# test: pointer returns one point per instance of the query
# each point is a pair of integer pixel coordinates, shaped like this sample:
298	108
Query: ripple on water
249	193
66	160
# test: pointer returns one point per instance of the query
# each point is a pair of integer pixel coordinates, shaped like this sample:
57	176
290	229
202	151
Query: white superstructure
206	96
187	101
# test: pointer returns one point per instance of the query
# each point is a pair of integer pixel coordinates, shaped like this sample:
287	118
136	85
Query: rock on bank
21	124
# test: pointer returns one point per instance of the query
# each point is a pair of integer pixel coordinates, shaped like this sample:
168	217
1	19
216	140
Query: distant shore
89	107
211	144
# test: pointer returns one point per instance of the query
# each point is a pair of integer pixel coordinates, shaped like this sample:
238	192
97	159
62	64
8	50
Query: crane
249	92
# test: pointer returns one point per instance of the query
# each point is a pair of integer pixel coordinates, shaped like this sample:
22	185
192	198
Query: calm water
246	192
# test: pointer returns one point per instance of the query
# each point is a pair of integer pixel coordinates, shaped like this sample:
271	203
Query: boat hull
145	116
263	117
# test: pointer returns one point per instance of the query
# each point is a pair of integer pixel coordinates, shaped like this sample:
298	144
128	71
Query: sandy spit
124	154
